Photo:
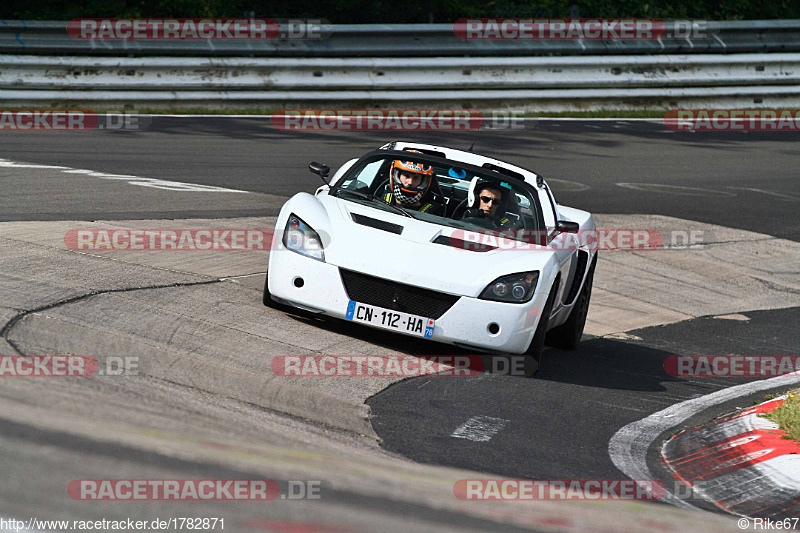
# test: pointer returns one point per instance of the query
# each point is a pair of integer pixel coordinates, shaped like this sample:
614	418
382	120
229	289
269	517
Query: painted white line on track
673	189
480	428
771	193
165	185
733	316
10	164
565	185
628	447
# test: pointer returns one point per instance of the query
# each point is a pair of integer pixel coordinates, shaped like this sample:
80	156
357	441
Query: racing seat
513	212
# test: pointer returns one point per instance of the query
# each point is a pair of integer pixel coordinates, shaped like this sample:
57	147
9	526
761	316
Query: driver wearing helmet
489	201
410	187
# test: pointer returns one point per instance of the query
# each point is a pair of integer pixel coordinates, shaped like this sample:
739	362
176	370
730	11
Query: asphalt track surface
560	422
745	180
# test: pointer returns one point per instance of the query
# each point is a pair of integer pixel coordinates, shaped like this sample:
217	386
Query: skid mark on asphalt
165	185
5	331
480	428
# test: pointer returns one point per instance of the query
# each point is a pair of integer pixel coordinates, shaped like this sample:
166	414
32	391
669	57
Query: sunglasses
488	199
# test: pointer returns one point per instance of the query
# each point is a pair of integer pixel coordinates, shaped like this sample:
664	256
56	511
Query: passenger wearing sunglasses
489	200
487	203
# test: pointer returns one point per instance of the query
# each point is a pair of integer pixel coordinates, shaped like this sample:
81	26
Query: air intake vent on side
580	268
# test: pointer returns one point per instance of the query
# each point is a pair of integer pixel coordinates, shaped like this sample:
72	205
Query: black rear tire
568	335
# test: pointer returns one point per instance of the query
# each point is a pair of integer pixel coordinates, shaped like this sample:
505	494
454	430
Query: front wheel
536	347
568	335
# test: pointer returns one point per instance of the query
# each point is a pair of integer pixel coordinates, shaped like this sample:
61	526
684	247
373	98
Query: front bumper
466	323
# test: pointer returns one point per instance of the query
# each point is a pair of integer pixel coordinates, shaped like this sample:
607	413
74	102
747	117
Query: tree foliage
408	11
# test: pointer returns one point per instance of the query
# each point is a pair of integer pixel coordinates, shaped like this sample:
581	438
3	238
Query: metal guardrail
404	66
543	83
404	40
396	75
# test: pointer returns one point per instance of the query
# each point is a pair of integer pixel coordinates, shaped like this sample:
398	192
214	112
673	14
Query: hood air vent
377	224
464	245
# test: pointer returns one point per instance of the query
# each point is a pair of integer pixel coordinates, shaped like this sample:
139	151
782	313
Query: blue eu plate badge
429	329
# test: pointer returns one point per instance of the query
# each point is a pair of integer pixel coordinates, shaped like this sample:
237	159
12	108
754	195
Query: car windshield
499	201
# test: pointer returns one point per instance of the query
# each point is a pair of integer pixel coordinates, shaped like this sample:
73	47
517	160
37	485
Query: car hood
410	257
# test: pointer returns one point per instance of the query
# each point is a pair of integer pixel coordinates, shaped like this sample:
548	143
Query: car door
563	244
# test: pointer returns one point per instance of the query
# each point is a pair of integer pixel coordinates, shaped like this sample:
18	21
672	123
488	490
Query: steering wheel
489	223
480	219
458	212
481	222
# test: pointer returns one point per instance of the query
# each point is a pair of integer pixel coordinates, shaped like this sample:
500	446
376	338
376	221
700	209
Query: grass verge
787	416
255	110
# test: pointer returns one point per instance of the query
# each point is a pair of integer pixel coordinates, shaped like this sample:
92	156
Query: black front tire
536	347
568	335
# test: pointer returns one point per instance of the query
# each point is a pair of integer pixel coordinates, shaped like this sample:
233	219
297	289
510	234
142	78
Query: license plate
389	319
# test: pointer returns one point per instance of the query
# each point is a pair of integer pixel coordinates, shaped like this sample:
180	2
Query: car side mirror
320	169
567	227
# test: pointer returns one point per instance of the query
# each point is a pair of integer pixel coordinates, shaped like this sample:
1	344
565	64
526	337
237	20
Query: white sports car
437	243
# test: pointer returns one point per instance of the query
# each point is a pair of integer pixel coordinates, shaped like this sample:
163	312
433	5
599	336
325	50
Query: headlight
299	237
514	288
